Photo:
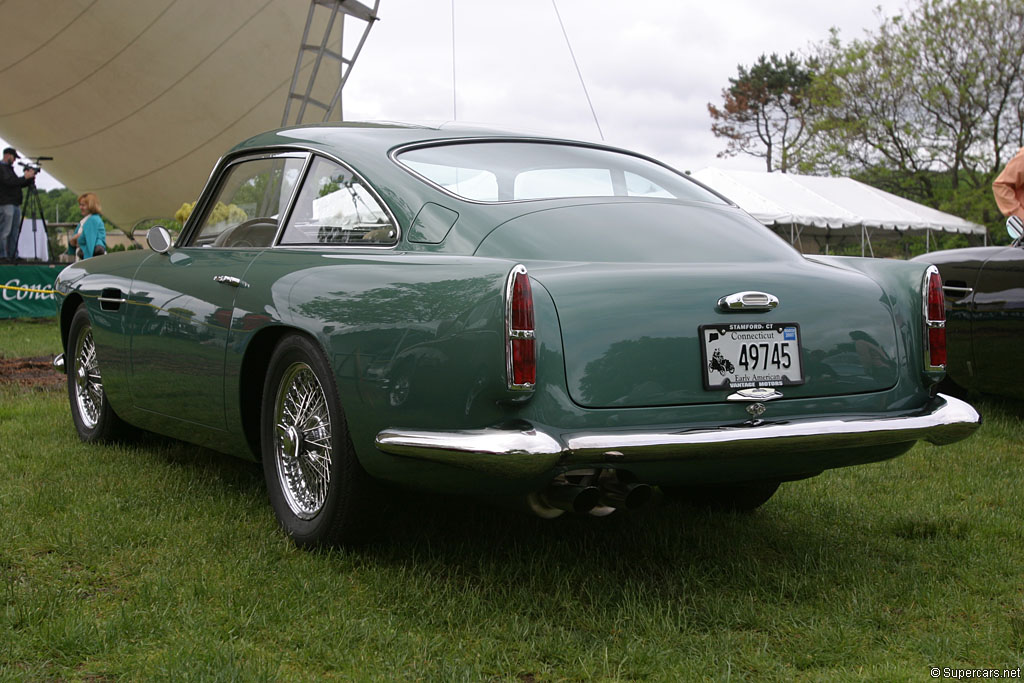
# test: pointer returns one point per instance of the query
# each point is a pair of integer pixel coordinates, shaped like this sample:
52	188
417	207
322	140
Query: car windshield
513	171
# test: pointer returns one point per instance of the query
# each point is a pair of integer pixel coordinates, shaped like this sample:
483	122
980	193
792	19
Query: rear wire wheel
317	488
94	419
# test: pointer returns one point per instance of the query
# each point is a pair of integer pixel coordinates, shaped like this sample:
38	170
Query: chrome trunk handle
748	301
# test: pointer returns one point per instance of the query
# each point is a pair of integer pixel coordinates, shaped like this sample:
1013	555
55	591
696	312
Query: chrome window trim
444	142
313	154
203	203
271	151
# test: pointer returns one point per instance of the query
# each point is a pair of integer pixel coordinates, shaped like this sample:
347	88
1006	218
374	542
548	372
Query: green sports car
563	324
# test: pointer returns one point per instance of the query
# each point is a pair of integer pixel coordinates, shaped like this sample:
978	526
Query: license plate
742	355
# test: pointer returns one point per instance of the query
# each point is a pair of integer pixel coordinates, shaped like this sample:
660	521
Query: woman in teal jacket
91	236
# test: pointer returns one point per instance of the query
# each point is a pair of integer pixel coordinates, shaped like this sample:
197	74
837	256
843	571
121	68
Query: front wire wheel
319	491
94	419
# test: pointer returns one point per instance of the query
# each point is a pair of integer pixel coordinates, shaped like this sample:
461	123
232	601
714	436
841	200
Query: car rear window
502	171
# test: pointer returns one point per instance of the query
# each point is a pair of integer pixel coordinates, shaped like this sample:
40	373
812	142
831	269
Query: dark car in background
984	292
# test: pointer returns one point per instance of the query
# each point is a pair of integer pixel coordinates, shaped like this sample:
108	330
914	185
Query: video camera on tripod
34	163
32	209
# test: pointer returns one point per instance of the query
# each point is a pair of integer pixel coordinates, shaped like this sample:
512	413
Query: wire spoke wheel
320	493
303	450
87	382
94	418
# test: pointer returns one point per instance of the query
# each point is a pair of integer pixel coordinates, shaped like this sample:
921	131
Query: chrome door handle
954	292
229	280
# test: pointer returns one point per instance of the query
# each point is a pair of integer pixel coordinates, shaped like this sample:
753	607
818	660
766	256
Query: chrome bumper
529	451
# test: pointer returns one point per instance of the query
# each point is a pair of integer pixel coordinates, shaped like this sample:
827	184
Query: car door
183	301
997	321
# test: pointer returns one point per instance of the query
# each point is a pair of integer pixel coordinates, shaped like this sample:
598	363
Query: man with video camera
10	204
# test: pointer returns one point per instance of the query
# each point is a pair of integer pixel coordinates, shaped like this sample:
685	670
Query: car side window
246	211
335	208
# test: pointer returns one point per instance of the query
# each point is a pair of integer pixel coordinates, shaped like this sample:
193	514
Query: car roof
360	137
368	148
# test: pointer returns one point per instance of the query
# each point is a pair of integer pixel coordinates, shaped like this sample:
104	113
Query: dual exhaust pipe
589	498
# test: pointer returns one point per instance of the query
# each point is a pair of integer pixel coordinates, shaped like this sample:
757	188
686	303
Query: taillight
521	356
934	321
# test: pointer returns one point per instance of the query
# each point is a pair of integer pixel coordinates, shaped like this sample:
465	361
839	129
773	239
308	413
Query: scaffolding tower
329	68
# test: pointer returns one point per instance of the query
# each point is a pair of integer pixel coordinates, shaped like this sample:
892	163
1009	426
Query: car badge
755	394
756	410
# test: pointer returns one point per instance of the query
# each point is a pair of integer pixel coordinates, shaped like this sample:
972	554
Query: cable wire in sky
578	72
455	116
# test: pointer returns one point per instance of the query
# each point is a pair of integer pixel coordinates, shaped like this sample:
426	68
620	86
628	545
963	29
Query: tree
766	111
59	205
930	107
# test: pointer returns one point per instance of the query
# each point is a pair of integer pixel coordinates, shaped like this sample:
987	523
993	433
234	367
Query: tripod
33	210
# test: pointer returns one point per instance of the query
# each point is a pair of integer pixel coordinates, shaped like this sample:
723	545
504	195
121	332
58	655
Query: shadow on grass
454	536
203	465
654	549
810	536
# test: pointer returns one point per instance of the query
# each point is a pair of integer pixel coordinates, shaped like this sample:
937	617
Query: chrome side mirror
158	239
1015	226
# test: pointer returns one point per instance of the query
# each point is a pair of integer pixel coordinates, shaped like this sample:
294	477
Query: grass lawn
158	560
29	337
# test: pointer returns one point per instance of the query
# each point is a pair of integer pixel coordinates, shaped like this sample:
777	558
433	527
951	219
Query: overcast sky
650	66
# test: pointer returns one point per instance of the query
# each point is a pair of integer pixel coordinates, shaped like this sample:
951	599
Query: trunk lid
630	331
633	280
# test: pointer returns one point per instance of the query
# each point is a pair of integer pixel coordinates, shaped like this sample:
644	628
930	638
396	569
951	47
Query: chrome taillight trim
930	324
512	334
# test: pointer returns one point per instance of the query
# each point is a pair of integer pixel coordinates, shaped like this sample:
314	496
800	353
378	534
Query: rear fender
413	339
902	283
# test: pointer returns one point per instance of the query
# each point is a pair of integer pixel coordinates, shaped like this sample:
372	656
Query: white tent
135	100
797	206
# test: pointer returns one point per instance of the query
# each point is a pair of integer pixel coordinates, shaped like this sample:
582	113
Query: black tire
94	419
302	425
742	497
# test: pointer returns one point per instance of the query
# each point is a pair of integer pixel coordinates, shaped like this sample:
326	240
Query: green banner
27	291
